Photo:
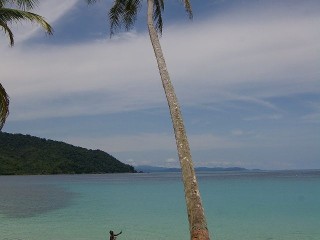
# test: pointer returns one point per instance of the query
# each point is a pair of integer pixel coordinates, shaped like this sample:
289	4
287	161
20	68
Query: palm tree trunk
197	222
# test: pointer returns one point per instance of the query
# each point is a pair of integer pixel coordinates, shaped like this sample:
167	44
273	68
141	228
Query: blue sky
247	74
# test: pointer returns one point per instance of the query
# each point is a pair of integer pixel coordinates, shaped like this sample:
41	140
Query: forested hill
24	154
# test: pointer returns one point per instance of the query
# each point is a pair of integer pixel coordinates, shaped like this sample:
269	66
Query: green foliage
4	106
18	14
27	155
123	13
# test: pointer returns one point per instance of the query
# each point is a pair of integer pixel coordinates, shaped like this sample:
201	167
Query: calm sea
239	206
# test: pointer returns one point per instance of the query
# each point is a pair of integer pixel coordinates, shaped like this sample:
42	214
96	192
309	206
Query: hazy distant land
150	169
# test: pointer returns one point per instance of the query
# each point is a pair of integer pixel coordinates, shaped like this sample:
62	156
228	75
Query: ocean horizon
260	205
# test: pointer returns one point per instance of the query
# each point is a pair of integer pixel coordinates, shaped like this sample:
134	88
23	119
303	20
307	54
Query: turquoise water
239	206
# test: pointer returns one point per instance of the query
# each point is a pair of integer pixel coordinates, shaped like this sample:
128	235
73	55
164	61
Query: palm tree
4	106
13	15
124	13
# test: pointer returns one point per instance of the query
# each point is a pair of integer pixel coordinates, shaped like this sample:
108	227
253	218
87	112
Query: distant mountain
149	169
25	154
217	169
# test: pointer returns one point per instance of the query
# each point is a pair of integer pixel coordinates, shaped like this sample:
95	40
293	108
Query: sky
246	73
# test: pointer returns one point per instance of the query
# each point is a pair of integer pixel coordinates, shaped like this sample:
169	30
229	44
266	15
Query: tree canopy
25	154
123	13
17	11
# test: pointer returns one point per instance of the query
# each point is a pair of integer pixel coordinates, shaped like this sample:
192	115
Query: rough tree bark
197	222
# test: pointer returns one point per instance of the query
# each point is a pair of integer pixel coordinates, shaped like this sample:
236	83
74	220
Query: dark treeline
25	154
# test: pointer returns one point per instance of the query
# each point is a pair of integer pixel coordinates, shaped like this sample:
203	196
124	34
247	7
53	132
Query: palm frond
187	6
15	15
26	4
115	15
91	1
130	13
158	9
7	31
4	106
123	13
22	4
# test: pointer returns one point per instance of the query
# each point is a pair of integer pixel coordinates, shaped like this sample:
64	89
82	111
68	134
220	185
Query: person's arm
118	233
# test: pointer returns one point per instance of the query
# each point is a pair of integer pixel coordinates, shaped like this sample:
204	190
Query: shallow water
239	206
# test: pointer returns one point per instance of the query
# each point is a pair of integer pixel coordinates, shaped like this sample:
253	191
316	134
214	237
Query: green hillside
25	154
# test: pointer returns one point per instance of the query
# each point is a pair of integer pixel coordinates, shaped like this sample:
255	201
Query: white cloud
171	160
130	162
152	142
237	132
231	60
264	117
87	79
314	116
127	143
241	59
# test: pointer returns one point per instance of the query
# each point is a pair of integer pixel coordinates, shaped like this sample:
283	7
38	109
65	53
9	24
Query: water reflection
24	201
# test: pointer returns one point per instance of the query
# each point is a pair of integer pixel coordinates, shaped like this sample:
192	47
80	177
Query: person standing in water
113	236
